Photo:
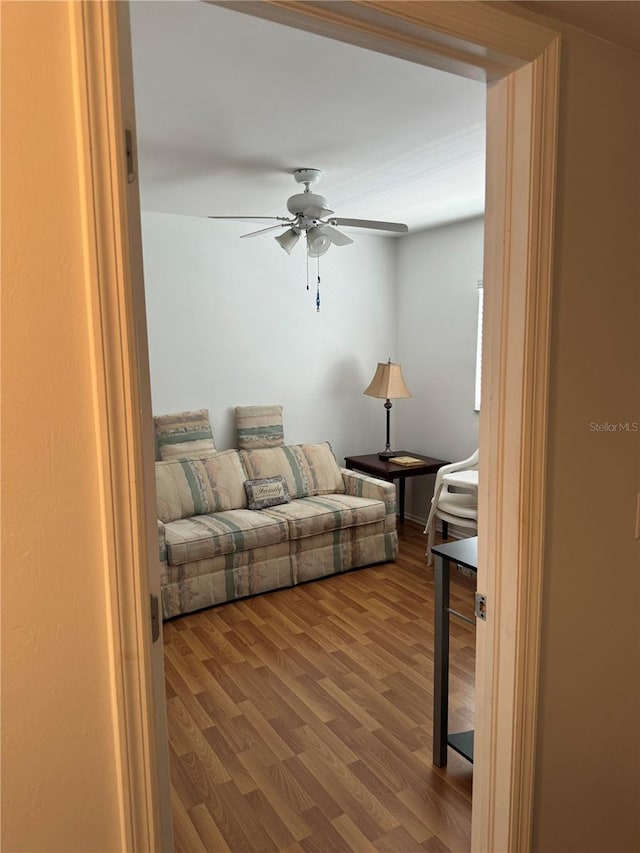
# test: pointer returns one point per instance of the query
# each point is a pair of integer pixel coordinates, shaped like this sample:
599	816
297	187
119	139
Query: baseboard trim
415	519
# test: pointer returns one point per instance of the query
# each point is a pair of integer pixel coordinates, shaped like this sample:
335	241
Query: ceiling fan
311	216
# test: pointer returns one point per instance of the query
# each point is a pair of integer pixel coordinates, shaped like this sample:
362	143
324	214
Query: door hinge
155	619
481	606
128	142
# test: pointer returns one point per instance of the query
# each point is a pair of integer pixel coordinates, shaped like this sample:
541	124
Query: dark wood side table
464	552
385	469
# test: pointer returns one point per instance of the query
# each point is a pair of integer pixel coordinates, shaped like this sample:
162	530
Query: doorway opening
399	141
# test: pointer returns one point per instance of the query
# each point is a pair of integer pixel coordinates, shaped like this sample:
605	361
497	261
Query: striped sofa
214	547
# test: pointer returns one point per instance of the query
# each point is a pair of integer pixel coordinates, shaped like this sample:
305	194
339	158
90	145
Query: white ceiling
227	105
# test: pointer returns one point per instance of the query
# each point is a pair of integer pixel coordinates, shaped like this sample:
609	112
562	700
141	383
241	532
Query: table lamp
387	384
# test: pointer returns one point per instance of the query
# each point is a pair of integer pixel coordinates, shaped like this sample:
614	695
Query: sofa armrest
162	553
362	486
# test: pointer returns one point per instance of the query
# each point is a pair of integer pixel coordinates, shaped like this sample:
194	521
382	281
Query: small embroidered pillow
268	491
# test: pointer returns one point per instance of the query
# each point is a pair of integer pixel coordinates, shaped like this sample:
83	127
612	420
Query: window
476	405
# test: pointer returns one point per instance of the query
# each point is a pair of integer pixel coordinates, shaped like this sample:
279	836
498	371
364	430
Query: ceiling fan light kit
288	240
312	216
318	242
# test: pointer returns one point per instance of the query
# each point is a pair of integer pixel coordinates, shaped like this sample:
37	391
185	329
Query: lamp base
387	454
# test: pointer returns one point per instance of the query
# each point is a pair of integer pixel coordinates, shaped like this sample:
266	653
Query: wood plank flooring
300	720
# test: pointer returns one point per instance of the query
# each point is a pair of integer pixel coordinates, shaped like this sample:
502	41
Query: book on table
406	460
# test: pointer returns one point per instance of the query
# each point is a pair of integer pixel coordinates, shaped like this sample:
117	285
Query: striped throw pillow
183	434
259	426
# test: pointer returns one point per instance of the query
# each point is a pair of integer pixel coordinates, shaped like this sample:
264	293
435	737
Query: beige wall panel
59	780
588	761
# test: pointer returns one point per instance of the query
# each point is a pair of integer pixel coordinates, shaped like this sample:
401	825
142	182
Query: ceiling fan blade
251	218
263	230
399	227
337	237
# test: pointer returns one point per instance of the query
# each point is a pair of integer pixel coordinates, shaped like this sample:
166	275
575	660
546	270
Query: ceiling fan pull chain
307	269
318	288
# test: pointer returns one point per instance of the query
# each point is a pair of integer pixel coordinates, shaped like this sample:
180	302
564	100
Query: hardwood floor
300	720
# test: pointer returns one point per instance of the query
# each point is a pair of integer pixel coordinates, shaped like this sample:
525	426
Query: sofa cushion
309	469
205	536
259	426
187	487
321	514
183	434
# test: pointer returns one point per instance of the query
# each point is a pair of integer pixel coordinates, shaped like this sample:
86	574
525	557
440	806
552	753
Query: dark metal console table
464	552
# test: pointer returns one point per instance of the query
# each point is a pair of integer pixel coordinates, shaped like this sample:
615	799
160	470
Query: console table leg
401	498
441	663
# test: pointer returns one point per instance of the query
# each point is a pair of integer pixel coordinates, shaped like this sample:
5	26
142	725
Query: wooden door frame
520	62
103	89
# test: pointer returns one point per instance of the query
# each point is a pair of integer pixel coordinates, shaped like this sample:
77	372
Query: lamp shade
388	382
288	240
318	242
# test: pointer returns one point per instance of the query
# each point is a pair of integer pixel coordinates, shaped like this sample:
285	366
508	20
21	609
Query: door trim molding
521	150
116	359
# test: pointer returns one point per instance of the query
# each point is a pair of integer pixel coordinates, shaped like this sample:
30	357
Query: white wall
231	323
438	272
